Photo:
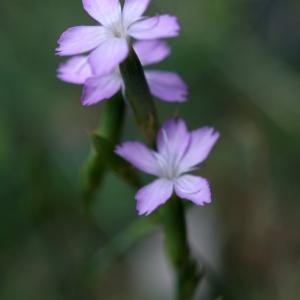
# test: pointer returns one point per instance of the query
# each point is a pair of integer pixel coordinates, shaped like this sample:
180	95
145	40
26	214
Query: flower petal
151	52
167	86
139	156
163	26
201	143
75	70
108	55
80	39
106	12
193	188
173	138
133	9
99	88
153	195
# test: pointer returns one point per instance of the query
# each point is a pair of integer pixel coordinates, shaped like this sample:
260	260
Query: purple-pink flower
167	86
109	41
178	153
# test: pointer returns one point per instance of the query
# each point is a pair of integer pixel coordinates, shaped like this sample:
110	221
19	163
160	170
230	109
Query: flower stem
105	149
172	214
110	128
187	274
138	95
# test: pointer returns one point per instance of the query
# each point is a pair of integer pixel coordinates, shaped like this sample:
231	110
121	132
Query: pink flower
178	153
109	41
165	85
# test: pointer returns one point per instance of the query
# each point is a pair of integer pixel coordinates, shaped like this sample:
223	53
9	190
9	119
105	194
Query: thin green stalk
110	128
187	274
138	95
105	149
172	214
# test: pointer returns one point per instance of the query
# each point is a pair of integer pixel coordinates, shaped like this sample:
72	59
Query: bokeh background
241	60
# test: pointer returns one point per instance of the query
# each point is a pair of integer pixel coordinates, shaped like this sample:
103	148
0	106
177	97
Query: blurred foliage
241	60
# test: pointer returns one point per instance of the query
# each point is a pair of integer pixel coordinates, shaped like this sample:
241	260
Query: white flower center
169	162
119	30
169	166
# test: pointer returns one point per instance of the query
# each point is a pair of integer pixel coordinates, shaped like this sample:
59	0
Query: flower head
165	85
178	153
109	41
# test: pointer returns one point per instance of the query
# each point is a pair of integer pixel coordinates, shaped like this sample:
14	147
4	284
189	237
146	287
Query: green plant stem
105	149
110	128
187	274
138	95
172	214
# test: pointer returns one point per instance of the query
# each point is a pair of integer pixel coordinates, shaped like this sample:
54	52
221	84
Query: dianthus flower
167	86
109	41
178	153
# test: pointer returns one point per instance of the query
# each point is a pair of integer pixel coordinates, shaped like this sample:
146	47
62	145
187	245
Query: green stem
112	117
172	214
138	95
187	274
105	150
110	128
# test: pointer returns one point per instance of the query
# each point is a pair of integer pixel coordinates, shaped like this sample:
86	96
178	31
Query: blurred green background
241	60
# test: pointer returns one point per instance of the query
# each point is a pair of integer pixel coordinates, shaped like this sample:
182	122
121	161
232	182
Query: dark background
241	60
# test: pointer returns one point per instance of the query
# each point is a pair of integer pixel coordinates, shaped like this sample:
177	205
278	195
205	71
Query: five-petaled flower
165	85
109	42
178	153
